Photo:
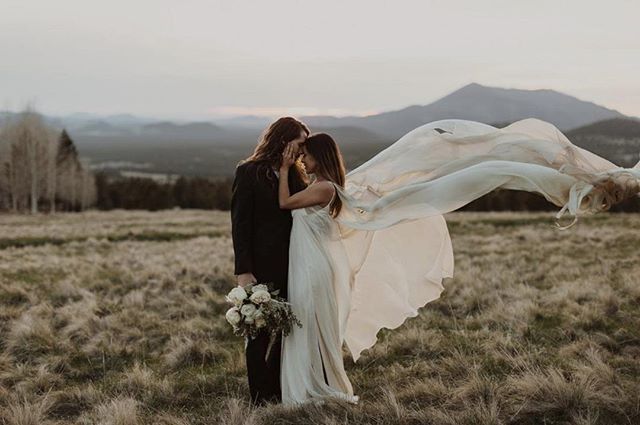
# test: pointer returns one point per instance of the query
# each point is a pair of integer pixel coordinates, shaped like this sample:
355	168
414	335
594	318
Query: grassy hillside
624	128
618	140
117	318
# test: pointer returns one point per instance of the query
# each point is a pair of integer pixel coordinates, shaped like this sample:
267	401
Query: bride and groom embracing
274	244
357	253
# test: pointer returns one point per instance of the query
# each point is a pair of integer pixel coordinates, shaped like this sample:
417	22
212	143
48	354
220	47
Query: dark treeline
148	194
203	193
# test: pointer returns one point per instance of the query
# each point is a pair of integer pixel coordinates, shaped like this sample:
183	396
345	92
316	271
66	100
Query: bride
367	251
311	362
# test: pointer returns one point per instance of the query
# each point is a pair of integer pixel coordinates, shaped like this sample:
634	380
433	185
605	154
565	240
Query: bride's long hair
329	163
272	143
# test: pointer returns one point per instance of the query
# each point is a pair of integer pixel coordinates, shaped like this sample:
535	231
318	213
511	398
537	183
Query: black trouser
264	377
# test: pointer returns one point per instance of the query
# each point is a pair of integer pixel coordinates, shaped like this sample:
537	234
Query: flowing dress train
388	252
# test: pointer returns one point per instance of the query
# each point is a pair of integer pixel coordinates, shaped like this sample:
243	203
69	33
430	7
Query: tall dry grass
117	318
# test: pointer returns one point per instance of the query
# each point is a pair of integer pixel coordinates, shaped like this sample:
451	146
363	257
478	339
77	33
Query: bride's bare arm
316	194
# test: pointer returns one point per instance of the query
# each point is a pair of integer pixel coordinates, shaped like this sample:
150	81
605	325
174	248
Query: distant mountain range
473	102
213	148
484	104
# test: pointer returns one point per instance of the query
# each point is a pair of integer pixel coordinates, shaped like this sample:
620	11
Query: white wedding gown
388	251
313	351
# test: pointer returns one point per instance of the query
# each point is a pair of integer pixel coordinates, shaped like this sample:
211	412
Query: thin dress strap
332	196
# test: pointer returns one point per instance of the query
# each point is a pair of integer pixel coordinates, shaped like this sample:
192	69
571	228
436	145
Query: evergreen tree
66	149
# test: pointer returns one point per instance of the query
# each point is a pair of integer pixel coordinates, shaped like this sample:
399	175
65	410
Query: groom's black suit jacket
260	229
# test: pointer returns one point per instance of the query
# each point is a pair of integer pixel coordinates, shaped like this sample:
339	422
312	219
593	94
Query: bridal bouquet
257	307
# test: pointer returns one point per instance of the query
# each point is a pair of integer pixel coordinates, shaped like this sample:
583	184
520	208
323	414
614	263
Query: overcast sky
206	58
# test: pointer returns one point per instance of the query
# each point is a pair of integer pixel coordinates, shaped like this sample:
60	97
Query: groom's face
298	141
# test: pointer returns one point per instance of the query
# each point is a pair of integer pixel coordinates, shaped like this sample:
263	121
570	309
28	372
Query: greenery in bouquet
258	307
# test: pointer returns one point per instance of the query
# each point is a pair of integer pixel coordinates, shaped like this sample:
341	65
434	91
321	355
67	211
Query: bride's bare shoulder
325	186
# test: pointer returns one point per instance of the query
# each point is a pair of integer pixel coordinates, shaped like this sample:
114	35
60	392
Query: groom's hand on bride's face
288	157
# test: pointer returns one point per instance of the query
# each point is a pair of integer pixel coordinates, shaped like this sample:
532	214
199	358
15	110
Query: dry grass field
117	318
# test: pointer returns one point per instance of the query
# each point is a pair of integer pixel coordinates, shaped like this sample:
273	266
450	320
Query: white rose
260	287
233	316
248	310
236	295
260	297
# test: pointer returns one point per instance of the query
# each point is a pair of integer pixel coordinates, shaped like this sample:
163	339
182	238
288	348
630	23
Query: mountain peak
470	88
473	86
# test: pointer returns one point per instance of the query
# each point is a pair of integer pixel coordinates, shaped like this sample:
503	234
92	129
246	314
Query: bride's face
308	161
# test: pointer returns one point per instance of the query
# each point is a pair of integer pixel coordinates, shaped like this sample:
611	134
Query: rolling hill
616	139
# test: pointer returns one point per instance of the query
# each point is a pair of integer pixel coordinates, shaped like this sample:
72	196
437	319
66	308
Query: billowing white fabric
391	223
388	251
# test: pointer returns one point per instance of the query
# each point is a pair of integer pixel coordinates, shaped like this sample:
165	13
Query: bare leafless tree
31	133
39	166
5	153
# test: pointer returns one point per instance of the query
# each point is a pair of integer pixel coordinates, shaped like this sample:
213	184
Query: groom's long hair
329	163
272	143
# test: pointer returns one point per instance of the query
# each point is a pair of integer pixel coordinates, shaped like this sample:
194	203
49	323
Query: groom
260	232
